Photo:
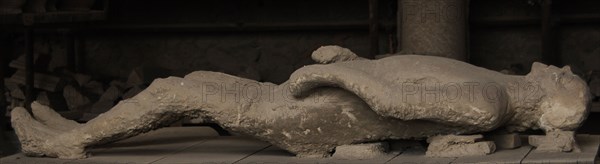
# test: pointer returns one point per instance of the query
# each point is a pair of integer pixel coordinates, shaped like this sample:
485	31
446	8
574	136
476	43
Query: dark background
268	39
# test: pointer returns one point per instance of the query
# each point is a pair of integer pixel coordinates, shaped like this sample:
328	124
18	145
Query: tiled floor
203	145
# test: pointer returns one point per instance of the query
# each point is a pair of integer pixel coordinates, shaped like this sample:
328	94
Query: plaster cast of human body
349	101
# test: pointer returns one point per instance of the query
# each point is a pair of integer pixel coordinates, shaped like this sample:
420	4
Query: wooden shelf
31	19
202	144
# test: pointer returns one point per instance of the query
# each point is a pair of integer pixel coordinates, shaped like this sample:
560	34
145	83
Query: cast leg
163	102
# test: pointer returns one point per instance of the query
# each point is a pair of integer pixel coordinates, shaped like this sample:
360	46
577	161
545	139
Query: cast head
566	101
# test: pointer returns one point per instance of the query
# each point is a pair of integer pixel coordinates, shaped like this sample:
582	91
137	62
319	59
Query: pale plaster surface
322	106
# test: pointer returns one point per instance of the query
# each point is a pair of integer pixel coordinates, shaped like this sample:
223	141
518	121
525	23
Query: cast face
567	100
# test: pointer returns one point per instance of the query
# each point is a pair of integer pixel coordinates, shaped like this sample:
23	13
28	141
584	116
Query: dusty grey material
506	141
458	146
589	150
324	106
460	149
556	141
484	99
361	151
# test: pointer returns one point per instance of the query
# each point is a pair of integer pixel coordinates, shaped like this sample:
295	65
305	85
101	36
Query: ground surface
203	145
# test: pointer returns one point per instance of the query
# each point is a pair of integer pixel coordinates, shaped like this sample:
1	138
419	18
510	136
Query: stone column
433	27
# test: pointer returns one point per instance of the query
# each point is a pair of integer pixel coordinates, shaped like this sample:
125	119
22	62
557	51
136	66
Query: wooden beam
70	48
399	22
3	118
374	28
580	19
549	50
35	19
230	27
510	21
29	68
79	44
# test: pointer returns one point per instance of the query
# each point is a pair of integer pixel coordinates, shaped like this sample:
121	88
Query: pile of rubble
76	96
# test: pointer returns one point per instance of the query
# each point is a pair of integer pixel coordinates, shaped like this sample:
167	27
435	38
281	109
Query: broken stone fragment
135	78
82	79
42	81
106	101
506	141
455	138
10	84
74	98
17	93
458	146
554	141
94	87
332	54
119	84
361	151
132	92
112	93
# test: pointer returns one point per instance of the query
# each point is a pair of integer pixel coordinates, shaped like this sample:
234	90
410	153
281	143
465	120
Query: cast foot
38	139
51	118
